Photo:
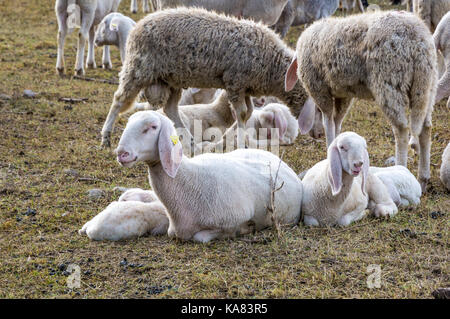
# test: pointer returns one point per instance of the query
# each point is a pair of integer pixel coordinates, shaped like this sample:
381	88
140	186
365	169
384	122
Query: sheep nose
358	164
122	155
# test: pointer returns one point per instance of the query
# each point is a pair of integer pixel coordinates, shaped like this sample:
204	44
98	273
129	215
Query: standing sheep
114	30
445	167
343	58
91	14
177	48
337	191
210	195
442	42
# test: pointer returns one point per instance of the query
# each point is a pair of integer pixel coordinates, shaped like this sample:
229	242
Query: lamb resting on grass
445	168
91	13
177	48
337	191
210	195
342	58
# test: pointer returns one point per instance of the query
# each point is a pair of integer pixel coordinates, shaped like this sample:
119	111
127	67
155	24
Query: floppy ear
335	171
170	148
195	90
114	24
365	171
291	76
280	123
307	116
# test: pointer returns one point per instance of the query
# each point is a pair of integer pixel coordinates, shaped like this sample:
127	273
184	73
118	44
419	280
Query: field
50	157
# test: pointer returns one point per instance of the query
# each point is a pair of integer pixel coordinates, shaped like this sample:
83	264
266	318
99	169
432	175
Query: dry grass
42	137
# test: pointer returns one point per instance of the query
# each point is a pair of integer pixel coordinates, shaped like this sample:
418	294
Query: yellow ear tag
114	25
174	139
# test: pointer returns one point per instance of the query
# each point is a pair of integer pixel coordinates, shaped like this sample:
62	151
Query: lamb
114	30
210	195
90	12
342	58
191	96
127	219
442	42
402	186
445	168
337	191
139	195
213	51
134	6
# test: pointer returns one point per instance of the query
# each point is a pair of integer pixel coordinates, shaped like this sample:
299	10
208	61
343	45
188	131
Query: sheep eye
342	148
145	131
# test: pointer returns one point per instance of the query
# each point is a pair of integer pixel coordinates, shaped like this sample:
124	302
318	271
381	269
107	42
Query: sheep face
273	119
347	153
107	33
150	137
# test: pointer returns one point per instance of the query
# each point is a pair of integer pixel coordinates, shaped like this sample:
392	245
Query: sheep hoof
60	71
424	184
91	65
79	72
106	143
107	66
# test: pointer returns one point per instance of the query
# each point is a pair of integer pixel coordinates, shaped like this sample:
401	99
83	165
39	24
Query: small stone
390	161
124	262
71	172
5	97
441	293
436	214
29	212
96	193
62	267
68	107
29	94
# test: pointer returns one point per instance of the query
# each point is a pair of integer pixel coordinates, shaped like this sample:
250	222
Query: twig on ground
95	80
73	100
273	190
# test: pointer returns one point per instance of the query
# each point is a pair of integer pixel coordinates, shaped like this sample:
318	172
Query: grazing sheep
134	6
114	30
445	167
342	58
402	186
442	42
337	191
127	219
212	51
91	13
210	195
139	195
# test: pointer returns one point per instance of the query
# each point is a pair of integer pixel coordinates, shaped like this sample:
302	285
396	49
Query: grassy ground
42	137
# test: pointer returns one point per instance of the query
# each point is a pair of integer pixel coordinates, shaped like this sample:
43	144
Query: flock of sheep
222	78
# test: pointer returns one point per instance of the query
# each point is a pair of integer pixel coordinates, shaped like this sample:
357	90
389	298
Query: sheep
402	186
285	20
308	11
210	195
137	194
191	96
212	51
114	30
442	42
342	58
431	11
445	167
127	219
349	5
91	12
134	6
265	11
337	191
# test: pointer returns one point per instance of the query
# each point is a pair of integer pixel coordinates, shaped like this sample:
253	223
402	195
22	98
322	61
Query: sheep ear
170	148
335	171
280	123
307	116
291	76
195	90
114	24
365	171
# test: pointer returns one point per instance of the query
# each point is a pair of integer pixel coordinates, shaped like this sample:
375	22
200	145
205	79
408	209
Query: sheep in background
337	191
402	186
139	195
431	11
442	42
191	96
350	5
91	12
285	20
445	167
226	194
308	11
134	6
114	30
343	58
213	51
127	219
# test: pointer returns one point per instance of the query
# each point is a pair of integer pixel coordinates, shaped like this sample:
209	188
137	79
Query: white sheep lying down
127	219
338	190
211	195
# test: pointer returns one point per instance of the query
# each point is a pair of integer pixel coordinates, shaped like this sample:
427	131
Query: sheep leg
205	236
381	203
341	107
351	217
401	144
106	59
123	100
62	33
242	107
90	63
134	6
86	23
424	152
443	87
145	6
329	126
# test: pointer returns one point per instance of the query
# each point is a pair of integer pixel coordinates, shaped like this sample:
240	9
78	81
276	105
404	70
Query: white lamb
89	13
445	167
211	195
139	195
127	219
402	186
114	30
339	189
